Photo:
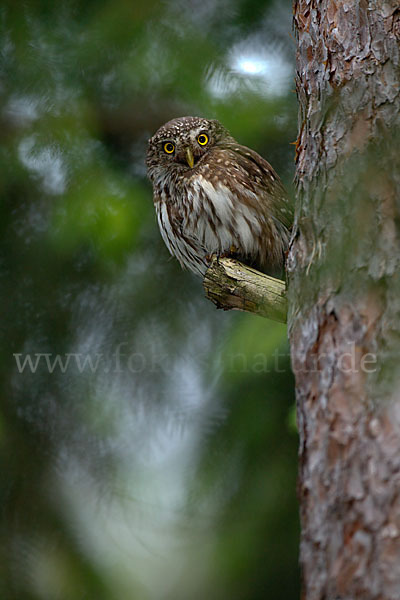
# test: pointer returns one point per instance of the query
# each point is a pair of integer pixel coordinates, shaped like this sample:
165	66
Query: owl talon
229	253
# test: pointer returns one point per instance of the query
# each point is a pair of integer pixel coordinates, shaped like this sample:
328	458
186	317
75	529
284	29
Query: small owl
214	196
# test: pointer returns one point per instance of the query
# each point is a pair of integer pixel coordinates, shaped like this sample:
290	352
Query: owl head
181	144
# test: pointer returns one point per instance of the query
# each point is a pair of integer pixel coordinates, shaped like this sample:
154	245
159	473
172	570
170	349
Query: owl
214	196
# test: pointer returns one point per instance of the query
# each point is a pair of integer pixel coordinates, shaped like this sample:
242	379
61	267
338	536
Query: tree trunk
344	297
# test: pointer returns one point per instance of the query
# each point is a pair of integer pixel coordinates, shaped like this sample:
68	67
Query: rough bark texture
344	298
231	285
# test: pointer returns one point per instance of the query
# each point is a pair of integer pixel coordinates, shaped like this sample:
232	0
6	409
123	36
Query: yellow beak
189	157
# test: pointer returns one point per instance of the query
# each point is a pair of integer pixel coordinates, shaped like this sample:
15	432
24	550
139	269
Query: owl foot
229	253
208	257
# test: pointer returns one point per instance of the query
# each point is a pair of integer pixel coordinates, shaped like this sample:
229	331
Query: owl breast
203	217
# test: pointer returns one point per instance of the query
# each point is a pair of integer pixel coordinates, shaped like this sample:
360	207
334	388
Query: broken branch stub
232	285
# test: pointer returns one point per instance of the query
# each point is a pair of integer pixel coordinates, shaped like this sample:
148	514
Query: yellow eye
169	147
202	139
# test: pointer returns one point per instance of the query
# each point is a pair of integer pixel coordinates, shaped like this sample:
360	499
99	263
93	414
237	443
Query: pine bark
344	297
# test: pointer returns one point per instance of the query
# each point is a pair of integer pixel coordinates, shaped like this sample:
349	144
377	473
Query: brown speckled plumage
228	201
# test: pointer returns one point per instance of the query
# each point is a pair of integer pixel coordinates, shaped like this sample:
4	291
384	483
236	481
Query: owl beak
189	157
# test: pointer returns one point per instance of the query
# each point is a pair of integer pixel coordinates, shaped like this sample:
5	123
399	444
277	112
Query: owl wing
261	179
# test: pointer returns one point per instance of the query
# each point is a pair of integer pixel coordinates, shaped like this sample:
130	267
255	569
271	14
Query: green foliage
157	460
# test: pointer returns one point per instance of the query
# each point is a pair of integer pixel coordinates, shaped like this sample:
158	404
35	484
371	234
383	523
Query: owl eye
202	139
169	147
